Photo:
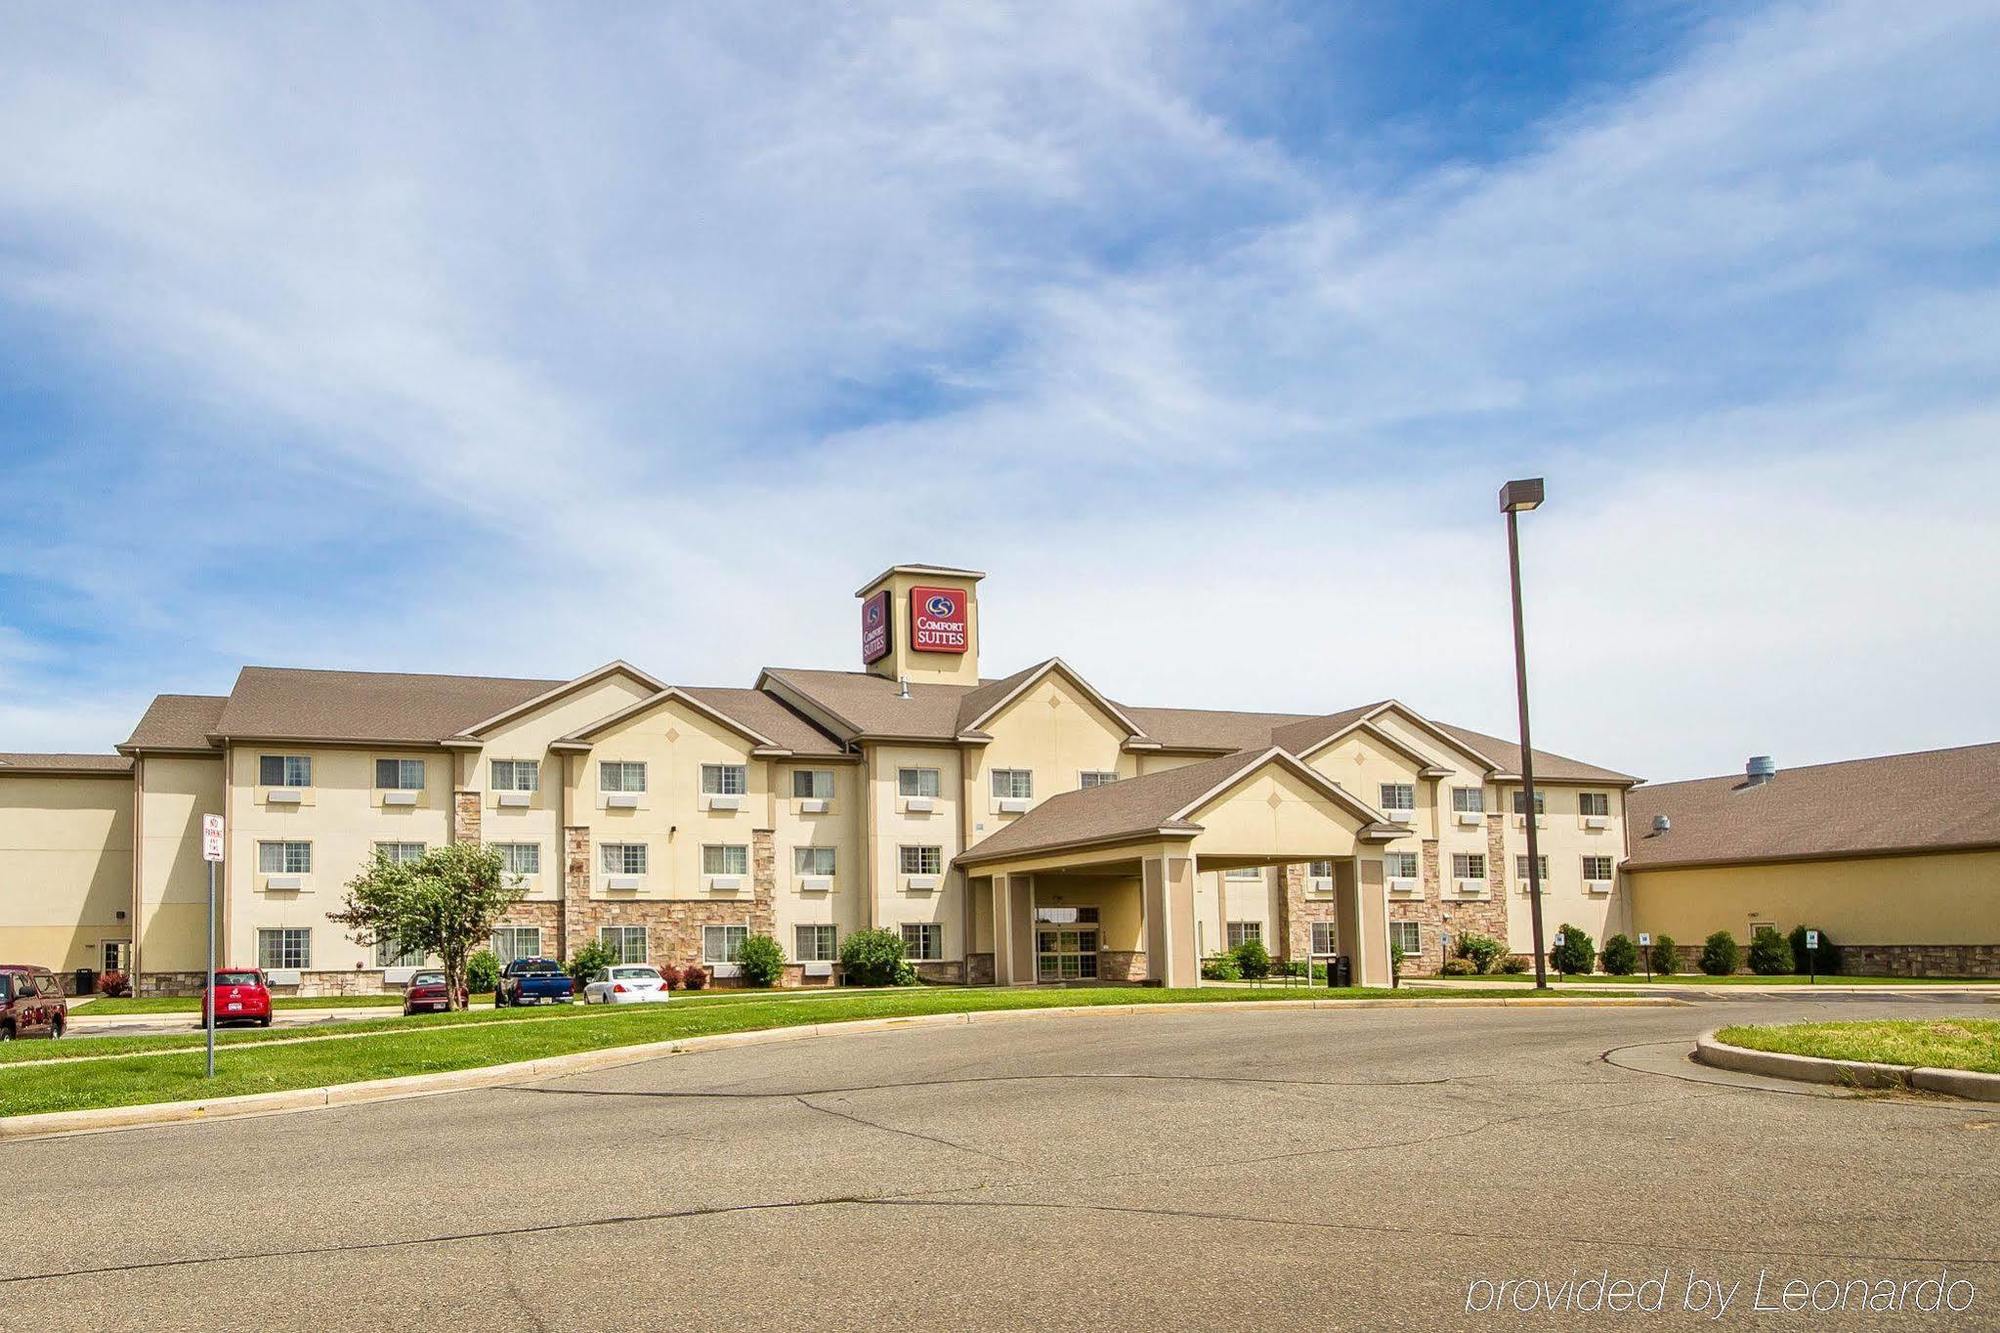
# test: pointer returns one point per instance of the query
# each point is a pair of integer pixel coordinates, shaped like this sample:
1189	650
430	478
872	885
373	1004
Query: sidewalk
1699	986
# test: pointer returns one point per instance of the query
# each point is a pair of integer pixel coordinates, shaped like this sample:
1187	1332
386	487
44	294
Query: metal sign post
1812	958
211	852
1646	952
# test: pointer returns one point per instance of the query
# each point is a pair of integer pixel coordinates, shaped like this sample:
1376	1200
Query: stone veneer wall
1879	960
1301	911
673	925
465	816
979	969
1125	966
1487	916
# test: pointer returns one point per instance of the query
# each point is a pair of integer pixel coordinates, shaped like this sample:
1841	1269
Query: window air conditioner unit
1597	821
816	884
621	800
922	883
815	805
919	805
819	969
282	976
514	800
621	883
284	883
1597	886
1469	888
1401	816
285	795
1402	886
725	883
1470	819
725	802
397	976
1012	805
399	798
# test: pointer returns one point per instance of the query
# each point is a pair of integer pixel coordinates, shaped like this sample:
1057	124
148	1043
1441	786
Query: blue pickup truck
533	981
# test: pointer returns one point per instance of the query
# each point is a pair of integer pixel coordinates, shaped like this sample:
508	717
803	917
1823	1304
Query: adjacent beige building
1011	829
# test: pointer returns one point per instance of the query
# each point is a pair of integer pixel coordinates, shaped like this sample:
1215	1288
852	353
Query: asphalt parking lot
1182	1169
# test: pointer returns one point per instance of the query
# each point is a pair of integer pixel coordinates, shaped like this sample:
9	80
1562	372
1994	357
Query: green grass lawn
191	1004
51	1076
1935	1043
1702	979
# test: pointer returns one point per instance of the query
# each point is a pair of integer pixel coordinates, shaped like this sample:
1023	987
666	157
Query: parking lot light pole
1517	497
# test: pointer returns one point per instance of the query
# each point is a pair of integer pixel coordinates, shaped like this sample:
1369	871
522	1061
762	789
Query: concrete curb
56	1123
1965	1083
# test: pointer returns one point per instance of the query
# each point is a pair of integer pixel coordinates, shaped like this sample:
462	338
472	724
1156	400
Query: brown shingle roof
1130	807
767	716
1549	767
283	703
1210	728
869	704
1298	737
1933	800
64	763
177	722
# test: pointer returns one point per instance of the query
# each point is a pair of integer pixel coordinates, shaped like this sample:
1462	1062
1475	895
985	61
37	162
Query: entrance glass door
1065	955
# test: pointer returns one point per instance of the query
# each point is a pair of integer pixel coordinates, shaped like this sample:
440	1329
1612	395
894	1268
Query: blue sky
495	338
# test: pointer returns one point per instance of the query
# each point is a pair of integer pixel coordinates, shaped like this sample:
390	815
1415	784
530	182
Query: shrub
694	976
1621	956
482	972
1254	960
114	984
1482	951
1513	965
1720	954
1221	967
1296	967
1771	953
670	976
875	958
762	960
1666	959
1396	957
1574	954
588	961
1828	961
1458	967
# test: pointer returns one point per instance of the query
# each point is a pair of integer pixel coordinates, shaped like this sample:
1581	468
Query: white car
628	983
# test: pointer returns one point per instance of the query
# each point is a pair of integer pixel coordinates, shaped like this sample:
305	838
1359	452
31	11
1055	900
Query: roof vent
1661	823
1760	770
902	687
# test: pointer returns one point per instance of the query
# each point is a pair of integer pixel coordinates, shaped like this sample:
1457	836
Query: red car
240	997
426	993
31	1003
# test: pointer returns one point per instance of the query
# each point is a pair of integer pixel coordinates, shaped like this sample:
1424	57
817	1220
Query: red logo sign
875	628
938	621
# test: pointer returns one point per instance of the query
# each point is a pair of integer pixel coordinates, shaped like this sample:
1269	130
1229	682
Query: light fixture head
1520	496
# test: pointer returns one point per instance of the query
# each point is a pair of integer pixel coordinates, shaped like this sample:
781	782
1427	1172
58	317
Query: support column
576	888
465	816
1364	922
1167	881
1013	931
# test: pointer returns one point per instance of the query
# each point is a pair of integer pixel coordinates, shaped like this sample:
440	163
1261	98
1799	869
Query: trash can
1341	973
86	981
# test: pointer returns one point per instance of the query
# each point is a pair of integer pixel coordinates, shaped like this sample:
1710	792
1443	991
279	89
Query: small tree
1666	959
1621	956
1482	951
875	958
589	959
443	905
1396	957
1770	953
1253	960
482	972
1825	962
1574	953
762	960
1720	954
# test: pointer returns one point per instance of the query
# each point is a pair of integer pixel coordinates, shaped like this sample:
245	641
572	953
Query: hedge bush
1221	967
1513	965
1458	967
1621	956
1253	959
114	985
588	961
1482	951
1771	953
1720	954
875	958
1574	954
762	961
1829	958
670	976
694	977
482	972
1666	958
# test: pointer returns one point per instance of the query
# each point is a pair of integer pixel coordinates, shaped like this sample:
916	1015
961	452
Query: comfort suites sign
875	628
937	620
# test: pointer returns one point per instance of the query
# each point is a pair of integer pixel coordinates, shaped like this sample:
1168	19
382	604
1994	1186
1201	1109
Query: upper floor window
396	853
1593	803
520	858
1468	800
813	860
731	858
285	770
621	775
812	784
1597	867
517	775
623	858
916	782
1521	802
1013	784
716	780
1468	865
1401	865
1399	796
1541	868
399	774
1096	777
927	860
284	858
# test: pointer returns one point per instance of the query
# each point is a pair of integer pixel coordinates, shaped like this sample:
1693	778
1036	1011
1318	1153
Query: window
511	942
285	770
1593	803
287	947
720	943
1541	868
396	853
1242	932
1468	800
621	775
399	774
117	955
1244	872
627	943
922	860
1406	936
1468	865
1521	802
716	780
812	784
517	775
815	944
1013	784
284	858
1096	777
1066	916
916	782
812	860
725	858
1401	865
520	858
1597	867
923	940
1325	940
624	858
1319	870
1399	796
386	955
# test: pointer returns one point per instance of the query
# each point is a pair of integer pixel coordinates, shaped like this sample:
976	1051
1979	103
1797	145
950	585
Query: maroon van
31	1003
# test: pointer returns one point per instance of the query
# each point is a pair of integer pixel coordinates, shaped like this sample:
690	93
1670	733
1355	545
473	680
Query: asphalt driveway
1182	1169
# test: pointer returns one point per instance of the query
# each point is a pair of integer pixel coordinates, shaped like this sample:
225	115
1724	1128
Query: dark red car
426	993
31	1003
240	997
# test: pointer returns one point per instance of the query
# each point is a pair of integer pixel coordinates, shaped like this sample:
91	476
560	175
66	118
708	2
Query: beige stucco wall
65	867
177	790
844	906
1565	841
889	901
1946	898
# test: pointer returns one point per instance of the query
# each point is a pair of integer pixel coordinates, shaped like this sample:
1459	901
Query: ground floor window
117	955
386	955
1242	932
720	943
287	947
815	944
1244	872
1405	935
511	942
923	941
1066	955
1326	940
396	853
627	943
